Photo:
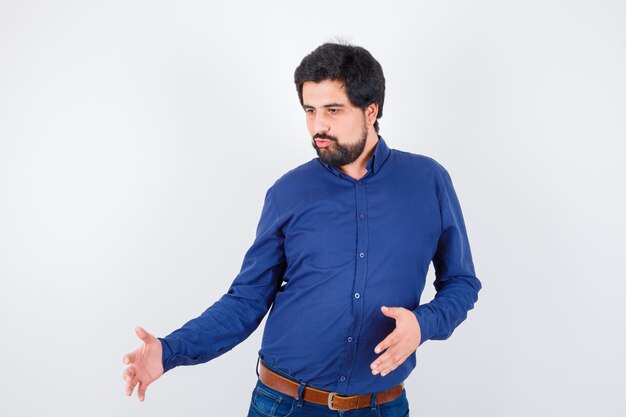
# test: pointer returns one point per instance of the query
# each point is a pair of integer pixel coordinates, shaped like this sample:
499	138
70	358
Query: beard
337	155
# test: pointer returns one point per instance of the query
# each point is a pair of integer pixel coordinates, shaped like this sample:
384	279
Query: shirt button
359	182
357	295
343	378
362	215
361	255
349	340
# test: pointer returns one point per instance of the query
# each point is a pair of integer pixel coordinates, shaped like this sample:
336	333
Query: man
341	254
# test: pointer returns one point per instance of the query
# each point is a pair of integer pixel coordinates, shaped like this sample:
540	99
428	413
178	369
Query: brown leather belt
331	399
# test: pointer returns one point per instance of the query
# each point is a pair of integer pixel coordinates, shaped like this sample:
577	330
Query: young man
341	254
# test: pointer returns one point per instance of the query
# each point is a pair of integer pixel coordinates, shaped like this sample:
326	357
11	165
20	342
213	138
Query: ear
371	112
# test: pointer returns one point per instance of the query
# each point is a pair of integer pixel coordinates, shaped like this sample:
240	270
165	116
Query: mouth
322	143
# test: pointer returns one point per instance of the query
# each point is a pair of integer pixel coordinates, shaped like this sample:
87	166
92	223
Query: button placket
359	282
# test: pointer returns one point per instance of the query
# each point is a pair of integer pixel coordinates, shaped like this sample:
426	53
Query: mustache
323	136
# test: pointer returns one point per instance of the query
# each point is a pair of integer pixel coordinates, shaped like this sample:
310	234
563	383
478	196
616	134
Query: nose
320	124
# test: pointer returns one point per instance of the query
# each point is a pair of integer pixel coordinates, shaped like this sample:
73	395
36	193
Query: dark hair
352	65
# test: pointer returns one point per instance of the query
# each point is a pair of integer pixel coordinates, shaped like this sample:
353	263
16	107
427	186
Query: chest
332	227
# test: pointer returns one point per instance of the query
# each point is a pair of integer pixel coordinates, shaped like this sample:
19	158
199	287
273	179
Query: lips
322	143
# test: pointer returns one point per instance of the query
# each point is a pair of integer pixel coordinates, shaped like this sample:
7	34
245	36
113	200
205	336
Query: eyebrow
306	106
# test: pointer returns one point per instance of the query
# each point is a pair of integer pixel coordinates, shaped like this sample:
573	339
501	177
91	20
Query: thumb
143	335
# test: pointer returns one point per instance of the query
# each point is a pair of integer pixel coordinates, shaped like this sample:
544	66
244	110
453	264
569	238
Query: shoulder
296	178
294	184
423	164
297	175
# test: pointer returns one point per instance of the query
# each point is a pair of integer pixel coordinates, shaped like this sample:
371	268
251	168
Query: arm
455	280
232	318
456	284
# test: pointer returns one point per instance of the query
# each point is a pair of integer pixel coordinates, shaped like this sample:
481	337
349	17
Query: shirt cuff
167	355
427	322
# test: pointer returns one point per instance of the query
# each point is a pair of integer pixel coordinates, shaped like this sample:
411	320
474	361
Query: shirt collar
378	158
381	152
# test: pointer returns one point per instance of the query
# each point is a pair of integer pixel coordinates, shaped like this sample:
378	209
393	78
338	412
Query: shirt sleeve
455	283
232	318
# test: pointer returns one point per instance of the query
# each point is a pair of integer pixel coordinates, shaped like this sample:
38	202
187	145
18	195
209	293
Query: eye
309	110
333	111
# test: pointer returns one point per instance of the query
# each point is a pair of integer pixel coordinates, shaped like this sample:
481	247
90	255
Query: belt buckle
330	401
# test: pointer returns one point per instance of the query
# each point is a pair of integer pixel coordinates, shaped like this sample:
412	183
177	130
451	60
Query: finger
131	386
141	391
390	360
130	358
389	311
143	335
392	363
388	341
128	374
389	365
382	363
385	344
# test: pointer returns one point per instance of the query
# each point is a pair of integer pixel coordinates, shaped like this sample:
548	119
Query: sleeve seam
442	195
271	197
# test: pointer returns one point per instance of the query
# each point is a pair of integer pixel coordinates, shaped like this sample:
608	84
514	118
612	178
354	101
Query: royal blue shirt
329	252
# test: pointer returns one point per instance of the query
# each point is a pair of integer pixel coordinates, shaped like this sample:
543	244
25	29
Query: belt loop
373	402
257	366
300	394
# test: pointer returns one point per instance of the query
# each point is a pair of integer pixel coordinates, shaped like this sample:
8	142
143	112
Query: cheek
309	125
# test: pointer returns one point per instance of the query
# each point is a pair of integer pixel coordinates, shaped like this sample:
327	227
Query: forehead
319	93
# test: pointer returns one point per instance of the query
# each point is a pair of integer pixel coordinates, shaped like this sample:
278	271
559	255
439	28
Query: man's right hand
144	364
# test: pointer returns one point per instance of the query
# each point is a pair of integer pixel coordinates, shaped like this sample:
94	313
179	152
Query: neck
356	169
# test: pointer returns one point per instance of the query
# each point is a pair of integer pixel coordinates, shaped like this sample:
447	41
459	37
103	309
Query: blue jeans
267	402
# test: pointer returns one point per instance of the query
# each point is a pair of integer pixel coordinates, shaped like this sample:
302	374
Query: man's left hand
400	343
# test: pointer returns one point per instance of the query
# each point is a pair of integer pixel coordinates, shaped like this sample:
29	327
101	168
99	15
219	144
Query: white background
137	140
